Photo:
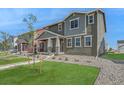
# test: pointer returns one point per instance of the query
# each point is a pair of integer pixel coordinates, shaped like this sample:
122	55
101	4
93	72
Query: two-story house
25	42
79	33
120	46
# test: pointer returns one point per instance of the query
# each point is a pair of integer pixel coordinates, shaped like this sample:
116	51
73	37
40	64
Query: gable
81	24
46	35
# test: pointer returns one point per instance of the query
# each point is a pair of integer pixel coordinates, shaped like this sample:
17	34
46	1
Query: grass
53	73
9	59
113	56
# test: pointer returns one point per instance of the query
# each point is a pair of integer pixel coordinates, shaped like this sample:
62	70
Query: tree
30	20
4	40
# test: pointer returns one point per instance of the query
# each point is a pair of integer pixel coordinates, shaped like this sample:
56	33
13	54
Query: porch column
38	46
21	47
49	46
57	45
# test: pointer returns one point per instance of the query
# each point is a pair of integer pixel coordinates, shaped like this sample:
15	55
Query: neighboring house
107	47
25	42
120	46
79	33
22	45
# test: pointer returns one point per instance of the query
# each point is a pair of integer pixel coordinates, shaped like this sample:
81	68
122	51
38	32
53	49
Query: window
74	23
91	19
69	42
60	27
77	41
88	41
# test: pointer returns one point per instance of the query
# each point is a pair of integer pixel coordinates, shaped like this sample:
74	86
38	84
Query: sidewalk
4	67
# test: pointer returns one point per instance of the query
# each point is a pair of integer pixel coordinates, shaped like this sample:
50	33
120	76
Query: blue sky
11	20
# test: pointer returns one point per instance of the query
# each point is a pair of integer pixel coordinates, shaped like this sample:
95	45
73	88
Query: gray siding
81	28
121	46
78	50
92	30
54	28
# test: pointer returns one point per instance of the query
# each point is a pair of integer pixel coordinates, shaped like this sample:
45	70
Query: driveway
112	73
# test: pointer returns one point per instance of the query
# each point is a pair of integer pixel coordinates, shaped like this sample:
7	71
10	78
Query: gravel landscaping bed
110	74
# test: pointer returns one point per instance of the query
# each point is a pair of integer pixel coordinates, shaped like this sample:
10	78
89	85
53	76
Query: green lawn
8	59
114	56
53	73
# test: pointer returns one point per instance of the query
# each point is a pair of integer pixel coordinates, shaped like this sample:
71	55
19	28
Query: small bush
66	59
60	58
53	58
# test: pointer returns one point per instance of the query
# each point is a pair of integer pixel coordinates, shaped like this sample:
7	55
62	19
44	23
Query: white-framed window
91	19
69	42
88	41
74	23
78	41
60	27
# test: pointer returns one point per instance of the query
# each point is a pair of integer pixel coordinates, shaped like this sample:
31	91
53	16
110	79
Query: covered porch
50	43
22	45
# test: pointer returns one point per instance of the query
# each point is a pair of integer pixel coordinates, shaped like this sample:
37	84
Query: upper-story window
91	19
60	27
88	41
74	23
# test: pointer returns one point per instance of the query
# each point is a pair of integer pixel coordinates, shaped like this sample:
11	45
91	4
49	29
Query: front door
53	45
61	45
43	46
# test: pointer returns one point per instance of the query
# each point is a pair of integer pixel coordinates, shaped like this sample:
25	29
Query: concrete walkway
4	67
110	73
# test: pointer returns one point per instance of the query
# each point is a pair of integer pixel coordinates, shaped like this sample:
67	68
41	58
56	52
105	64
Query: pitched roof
50	32
39	31
20	41
73	13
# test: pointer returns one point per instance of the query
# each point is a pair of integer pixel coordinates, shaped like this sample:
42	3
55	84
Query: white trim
89	18
48	38
73	20
96	10
97	35
75	35
85	40
60	24
85	23
84	12
64	27
67	43
75	41
53	33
